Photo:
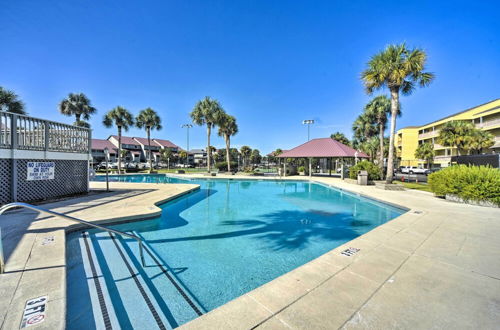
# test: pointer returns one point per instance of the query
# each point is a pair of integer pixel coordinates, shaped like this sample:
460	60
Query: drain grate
350	251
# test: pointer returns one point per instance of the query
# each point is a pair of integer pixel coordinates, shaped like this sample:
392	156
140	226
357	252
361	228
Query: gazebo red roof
322	148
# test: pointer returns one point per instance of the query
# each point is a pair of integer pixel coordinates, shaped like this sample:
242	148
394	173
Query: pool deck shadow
435	268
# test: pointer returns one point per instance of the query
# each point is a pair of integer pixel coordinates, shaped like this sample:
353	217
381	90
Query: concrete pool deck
437	265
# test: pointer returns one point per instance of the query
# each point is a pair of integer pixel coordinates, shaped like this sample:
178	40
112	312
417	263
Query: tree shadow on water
288	230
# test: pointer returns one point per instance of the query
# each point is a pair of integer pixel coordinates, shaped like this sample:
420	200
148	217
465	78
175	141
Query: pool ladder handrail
67	217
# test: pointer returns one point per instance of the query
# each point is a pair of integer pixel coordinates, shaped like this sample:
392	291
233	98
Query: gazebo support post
284	167
330	166
310	167
342	168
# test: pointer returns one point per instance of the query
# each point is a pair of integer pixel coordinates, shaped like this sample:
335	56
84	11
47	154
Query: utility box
362	178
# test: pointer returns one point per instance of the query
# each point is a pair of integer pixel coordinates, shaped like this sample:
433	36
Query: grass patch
413	185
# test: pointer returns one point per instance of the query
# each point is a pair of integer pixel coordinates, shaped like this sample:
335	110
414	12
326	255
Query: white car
413	170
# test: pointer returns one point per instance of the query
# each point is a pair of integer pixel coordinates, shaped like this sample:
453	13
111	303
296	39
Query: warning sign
40	171
34	311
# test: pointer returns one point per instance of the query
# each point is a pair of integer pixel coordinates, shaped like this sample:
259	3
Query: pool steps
139	297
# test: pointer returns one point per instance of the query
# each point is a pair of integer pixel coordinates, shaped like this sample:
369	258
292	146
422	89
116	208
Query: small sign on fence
40	171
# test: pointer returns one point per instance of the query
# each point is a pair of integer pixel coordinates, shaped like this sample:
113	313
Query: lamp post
106	156
308	122
187	126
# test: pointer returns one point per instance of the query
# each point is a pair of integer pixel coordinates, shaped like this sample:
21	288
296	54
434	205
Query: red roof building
323	148
100	145
165	144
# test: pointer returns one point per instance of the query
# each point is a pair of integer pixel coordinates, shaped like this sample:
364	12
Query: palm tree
378	109
245	151
166	154
425	151
149	119
77	105
480	140
207	112
122	119
399	69
228	128
340	137
370	146
363	127
456	134
9	101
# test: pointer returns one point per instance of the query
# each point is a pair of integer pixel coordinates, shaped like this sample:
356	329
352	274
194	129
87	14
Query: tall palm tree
9	101
245	151
149	119
425	151
399	69
363	127
77	105
340	137
228	128
122	119
370	146
456	134
207	112
480	140
379	109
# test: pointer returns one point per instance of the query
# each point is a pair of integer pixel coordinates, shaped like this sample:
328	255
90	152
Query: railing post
14	147
46	135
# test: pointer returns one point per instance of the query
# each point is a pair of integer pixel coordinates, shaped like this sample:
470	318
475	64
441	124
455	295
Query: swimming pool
207	248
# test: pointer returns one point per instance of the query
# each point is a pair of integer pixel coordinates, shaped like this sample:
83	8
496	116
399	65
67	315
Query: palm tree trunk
209	129
394	113
228	157
119	150
77	117
148	129
381	138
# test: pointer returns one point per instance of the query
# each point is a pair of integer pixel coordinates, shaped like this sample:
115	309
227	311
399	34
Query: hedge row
471	183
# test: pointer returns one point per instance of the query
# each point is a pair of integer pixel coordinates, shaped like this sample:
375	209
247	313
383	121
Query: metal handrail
67	217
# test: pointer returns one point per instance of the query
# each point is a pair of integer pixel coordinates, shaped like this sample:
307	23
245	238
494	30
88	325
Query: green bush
372	169
222	166
474	183
301	169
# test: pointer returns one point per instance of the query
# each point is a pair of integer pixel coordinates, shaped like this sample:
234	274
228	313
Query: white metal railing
29	133
67	217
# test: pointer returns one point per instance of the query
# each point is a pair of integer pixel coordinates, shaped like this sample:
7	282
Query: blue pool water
213	245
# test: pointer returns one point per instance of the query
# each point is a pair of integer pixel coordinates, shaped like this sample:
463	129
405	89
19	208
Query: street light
106	156
187	126
308	122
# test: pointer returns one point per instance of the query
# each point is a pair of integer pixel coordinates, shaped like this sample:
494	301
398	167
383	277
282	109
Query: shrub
222	166
471	183
372	169
301	169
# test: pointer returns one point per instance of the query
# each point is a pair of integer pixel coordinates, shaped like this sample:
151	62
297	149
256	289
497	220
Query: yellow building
485	116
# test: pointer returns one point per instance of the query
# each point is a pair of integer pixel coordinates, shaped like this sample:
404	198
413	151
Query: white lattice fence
70	177
5	180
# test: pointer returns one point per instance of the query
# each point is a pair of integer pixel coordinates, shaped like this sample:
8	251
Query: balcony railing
488	123
427	135
29	133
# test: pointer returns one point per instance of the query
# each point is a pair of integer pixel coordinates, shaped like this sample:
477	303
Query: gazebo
326	148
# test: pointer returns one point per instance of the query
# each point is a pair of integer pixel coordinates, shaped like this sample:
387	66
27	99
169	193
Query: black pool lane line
175	284
97	283
157	318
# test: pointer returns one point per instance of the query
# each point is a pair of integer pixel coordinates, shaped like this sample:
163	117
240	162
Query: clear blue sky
270	63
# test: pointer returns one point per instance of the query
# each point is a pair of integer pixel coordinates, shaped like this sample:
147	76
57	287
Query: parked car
413	170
